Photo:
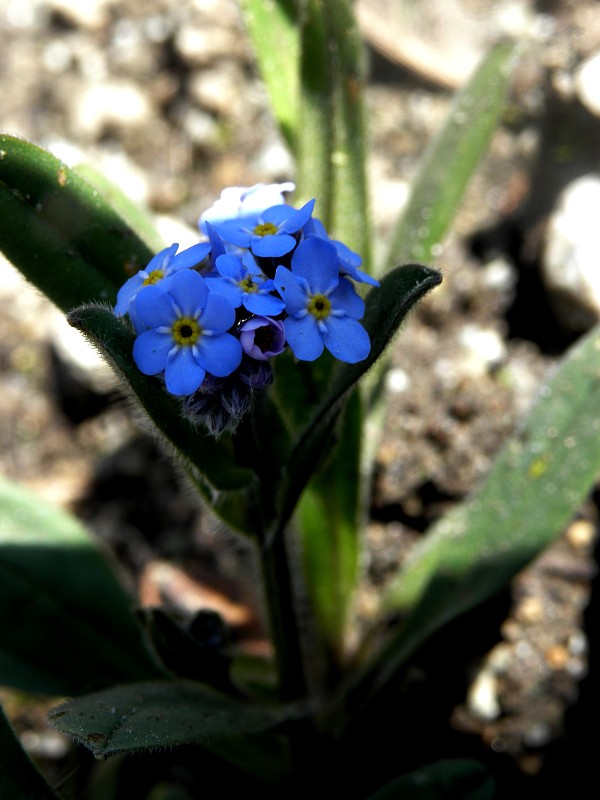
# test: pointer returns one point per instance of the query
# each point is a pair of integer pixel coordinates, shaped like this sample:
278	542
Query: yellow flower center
186	331
319	306
248	285
154	277
265	229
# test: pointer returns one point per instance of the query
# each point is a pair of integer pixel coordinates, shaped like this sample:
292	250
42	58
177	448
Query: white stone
118	103
91	14
482	697
571	254
483	348
587	83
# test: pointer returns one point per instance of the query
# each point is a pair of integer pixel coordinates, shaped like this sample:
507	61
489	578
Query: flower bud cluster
209	319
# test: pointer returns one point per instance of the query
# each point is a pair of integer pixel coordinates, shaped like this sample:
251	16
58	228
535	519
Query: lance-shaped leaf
211	462
20	778
386	308
451	158
76	631
145	716
459	779
331	143
59	231
139	218
330	523
535	487
274	33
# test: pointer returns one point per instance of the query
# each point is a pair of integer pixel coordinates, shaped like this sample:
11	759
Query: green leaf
75	630
386	308
20	778
331	148
211	461
535	487
454	779
452	157
59	231
138	218
266	23
144	716
330	523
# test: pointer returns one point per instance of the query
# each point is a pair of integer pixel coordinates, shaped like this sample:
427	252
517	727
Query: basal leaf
212	459
59	231
331	145
330	525
534	489
277	22
20	778
144	716
454	779
137	217
451	159
75	630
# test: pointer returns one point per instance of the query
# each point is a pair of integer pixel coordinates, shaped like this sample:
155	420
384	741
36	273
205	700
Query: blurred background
164	99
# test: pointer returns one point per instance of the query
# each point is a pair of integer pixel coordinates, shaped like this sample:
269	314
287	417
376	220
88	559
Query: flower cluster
208	319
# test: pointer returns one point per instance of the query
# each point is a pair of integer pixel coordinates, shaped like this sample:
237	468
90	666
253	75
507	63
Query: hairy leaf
535	487
20	778
75	631
59	231
144	716
452	157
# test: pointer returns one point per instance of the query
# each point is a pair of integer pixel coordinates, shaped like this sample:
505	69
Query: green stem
283	619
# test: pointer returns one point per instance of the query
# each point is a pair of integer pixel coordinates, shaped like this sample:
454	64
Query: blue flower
161	266
323	308
186	334
244	201
349	260
242	283
269	234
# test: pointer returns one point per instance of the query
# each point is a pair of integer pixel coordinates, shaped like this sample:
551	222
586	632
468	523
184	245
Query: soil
165	98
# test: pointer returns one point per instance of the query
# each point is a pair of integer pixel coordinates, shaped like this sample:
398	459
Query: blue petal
264	304
317	261
299	218
226	288
230	267
238	232
161	260
154	307
345	299
188	290
150	351
218	315
217	247
191	257
183	374
129	289
304	337
272	246
219	355
346	339
292	289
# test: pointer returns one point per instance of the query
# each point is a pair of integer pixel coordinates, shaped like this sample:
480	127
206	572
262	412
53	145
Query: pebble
113	103
587	84
570	255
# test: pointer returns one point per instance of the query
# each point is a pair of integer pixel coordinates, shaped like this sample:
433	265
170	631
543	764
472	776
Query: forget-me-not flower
269	234
262	337
244	201
242	282
161	266
187	333
323	307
